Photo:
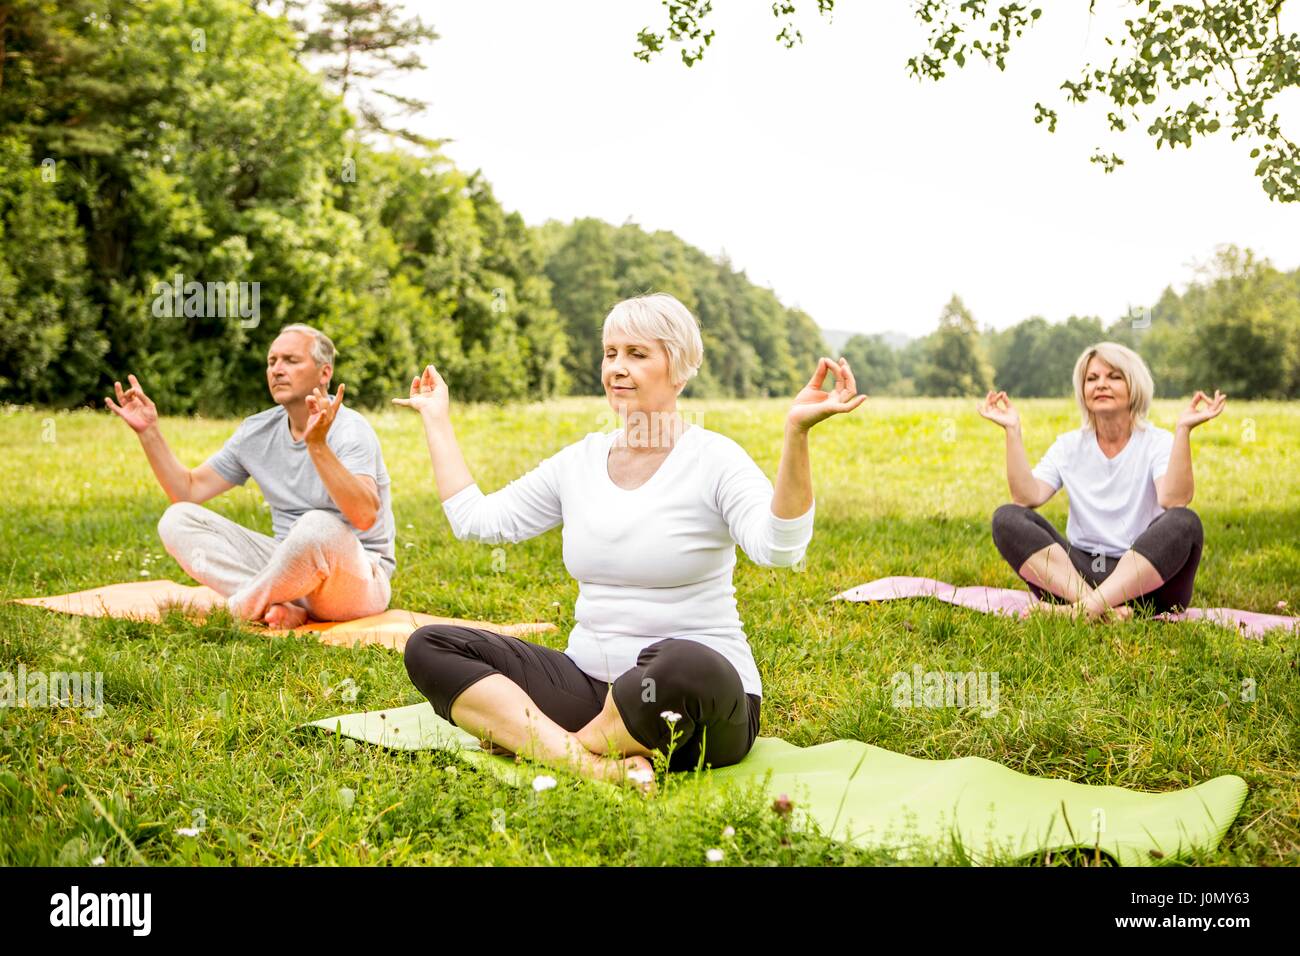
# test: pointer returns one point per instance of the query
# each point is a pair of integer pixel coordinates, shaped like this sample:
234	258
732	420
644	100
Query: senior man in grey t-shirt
319	467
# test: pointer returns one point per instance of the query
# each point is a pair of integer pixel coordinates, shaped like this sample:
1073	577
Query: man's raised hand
133	406
321	411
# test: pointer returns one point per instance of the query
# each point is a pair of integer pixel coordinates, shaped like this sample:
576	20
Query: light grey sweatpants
320	565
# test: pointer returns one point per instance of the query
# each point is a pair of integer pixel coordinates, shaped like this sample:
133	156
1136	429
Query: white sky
826	172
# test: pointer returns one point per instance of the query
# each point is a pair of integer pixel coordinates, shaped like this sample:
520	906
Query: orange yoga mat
150	601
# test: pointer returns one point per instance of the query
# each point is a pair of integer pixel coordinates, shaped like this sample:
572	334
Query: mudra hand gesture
429	395
1193	416
321	411
813	405
996	407
133	406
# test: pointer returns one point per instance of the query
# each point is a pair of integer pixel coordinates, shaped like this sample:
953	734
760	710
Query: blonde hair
661	317
1141	387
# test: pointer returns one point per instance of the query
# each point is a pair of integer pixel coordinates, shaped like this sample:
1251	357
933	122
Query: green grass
199	718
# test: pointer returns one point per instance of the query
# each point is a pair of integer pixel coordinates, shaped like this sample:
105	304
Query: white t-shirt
651	563
1112	500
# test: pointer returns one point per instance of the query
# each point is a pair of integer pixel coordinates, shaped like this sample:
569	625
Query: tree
1191	69
363	40
874	363
954	363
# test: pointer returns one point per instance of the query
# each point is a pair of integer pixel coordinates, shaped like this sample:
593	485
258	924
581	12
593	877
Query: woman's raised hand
996	407
813	405
133	406
1193	416
429	394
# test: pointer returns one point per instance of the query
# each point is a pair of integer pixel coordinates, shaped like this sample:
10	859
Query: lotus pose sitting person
651	514
319	467
1130	533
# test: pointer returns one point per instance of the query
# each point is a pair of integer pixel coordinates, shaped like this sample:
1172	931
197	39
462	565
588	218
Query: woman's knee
1186	521
424	648
682	669
1009	522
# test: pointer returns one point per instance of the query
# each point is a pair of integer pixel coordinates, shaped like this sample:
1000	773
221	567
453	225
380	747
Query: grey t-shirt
262	448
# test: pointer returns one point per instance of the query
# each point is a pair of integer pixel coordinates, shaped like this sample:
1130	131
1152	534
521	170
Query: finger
402	401
135	384
819	376
120	396
850	381
338	397
856	402
111	404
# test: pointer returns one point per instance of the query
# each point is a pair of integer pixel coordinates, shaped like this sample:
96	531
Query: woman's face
1104	390
635	375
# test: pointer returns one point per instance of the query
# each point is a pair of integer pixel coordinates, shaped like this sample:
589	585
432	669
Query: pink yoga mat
1250	624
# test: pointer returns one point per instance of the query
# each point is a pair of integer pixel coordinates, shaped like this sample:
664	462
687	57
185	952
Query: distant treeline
1236	328
176	185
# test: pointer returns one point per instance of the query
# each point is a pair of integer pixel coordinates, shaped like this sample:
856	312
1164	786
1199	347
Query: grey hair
661	317
322	348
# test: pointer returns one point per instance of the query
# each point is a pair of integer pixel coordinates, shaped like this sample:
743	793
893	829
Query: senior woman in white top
651	516
1131	536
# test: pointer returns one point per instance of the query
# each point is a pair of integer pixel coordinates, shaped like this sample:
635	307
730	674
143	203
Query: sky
827	173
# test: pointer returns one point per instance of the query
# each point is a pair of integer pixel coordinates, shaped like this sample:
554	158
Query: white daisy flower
543	782
671	716
188	831
714	855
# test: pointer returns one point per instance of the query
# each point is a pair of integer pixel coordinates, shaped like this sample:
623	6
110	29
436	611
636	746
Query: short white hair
1141	387
659	316
322	349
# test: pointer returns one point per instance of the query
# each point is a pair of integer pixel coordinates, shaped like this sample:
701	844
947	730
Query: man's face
291	372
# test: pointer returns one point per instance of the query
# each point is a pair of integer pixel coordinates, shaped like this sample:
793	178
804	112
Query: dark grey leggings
1172	543
717	718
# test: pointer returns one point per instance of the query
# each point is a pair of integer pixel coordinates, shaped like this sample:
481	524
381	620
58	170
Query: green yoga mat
877	798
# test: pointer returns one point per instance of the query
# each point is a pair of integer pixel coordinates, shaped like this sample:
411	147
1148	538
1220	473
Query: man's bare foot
285	616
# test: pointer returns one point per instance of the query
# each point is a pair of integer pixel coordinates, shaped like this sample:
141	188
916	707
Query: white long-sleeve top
652	562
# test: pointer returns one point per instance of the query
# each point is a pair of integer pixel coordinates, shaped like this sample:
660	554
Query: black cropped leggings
1172	543
718	719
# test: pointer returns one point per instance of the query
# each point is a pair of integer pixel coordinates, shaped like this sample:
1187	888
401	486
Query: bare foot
635	772
285	616
489	747
1121	612
1054	609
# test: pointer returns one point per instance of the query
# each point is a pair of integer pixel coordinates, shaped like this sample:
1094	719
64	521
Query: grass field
198	724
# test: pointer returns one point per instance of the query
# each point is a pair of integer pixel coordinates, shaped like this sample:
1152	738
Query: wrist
796	429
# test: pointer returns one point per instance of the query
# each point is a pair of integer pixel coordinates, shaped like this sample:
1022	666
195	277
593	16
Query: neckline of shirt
663	465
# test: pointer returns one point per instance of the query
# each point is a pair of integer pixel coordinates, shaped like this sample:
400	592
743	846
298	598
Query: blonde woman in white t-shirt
1131	536
651	515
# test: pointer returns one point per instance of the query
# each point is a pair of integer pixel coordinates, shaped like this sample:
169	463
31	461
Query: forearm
450	472
1020	479
354	498
793	493
1178	485
174	477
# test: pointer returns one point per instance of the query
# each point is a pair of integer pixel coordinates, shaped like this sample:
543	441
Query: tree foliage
1181	69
